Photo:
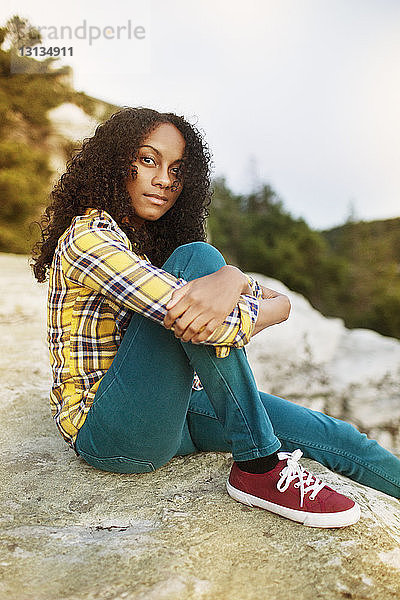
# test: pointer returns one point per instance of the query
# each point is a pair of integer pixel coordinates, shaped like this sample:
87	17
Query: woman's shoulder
95	218
92	224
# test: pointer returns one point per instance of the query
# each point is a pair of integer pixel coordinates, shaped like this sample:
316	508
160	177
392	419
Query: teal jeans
145	411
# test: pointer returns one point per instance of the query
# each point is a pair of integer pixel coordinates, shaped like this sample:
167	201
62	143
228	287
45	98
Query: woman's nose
162	177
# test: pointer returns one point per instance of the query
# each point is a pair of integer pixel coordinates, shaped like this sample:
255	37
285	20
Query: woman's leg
139	412
332	442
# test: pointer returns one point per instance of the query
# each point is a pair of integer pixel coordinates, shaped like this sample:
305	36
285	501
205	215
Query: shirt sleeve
255	287
99	259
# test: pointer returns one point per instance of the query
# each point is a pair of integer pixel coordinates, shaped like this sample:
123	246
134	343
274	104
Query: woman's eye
144	158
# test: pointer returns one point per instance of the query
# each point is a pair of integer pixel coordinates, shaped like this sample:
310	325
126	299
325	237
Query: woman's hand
199	307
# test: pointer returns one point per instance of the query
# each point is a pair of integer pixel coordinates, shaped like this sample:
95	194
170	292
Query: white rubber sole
325	520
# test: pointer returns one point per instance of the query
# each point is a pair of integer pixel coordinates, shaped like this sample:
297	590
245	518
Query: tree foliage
19	32
372	251
24	175
256	233
351	272
26	95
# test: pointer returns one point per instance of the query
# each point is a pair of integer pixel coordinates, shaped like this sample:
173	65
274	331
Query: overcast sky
301	94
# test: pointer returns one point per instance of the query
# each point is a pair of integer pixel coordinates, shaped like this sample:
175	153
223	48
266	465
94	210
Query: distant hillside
346	239
372	253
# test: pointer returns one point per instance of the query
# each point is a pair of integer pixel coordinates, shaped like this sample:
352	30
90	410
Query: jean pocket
118	464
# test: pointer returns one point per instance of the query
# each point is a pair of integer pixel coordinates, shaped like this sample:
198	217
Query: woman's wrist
272	311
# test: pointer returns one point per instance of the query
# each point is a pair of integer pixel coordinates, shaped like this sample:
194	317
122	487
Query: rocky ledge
70	532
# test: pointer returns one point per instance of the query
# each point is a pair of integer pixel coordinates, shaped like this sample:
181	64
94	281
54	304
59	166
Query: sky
303	95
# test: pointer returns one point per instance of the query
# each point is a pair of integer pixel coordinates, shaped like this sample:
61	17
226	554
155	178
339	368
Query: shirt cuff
253	306
255	287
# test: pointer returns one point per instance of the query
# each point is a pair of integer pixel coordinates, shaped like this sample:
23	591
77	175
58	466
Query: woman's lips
156	199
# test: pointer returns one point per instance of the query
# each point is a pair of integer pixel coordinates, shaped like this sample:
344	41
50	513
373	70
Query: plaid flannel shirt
96	281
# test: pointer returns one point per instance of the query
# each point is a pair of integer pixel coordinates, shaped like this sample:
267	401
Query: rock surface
68	531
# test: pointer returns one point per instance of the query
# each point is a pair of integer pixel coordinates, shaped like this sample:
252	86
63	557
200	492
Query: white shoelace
307	481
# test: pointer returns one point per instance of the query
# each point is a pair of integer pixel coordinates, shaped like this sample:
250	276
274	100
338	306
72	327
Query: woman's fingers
199	326
176	307
191	323
187	325
205	332
191	326
176	296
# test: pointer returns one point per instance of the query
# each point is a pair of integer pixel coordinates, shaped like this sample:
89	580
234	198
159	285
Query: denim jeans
145	411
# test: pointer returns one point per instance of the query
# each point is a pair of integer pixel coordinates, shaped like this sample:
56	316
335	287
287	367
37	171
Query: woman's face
154	189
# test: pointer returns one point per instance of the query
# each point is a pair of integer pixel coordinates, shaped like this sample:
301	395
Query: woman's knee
193	260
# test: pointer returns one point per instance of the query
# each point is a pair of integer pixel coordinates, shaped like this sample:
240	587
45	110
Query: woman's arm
97	258
274	308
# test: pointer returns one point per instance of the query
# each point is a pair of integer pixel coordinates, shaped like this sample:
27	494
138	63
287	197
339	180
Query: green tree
372	252
256	233
24	178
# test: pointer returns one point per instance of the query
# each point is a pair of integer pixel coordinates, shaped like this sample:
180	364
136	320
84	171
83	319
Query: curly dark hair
95	178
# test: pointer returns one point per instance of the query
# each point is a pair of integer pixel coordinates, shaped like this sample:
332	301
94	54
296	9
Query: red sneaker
292	492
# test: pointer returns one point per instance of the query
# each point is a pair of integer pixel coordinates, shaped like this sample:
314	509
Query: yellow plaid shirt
96	281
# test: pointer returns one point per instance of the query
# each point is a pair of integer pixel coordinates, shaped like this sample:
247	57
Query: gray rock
70	532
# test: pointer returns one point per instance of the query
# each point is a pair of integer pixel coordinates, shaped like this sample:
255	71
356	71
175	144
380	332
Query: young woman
141	310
